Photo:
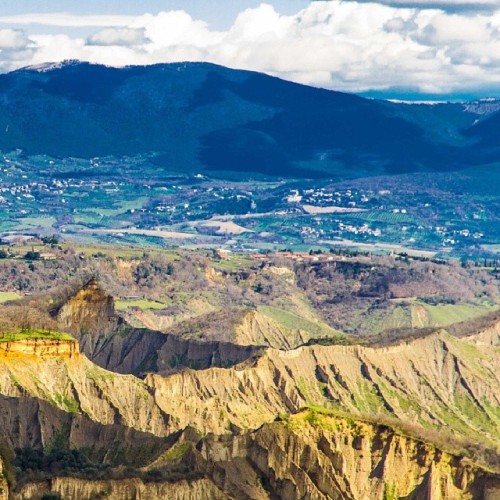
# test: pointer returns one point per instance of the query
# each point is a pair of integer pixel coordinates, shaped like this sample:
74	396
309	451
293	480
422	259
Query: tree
32	255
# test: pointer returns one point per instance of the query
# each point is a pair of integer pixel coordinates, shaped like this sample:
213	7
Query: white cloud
126	37
339	44
13	39
458	4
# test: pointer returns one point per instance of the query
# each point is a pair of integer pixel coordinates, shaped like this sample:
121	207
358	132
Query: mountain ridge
215	119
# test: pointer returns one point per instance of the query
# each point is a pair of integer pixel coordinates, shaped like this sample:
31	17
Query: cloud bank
343	45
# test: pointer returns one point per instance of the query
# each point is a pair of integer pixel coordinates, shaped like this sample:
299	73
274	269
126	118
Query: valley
254	386
218	284
242	161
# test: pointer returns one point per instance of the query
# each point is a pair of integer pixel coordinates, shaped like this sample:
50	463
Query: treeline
30	464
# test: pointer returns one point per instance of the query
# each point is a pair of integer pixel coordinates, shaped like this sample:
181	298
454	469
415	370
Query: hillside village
88	198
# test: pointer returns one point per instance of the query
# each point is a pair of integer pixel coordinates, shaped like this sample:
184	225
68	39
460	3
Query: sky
384	48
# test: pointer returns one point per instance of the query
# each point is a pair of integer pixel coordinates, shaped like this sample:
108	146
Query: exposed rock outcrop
324	457
233	398
40	347
139	351
90	310
309	455
258	329
126	489
77	385
34	423
4	487
438	381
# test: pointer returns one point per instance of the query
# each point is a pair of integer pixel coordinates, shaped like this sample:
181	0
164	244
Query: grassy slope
6	296
292	321
35	334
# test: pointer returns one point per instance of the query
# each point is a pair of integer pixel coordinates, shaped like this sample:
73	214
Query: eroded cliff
39	347
313	455
233	394
310	455
77	385
90	310
125	489
438	381
4	487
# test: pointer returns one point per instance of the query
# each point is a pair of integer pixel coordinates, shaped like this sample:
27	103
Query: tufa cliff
439	381
218	420
89	310
318	456
77	385
41	347
4	487
310	455
124	489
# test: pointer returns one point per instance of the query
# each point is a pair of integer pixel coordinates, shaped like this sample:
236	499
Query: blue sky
385	48
219	14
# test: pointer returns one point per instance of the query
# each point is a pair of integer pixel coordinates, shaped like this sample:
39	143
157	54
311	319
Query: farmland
124	201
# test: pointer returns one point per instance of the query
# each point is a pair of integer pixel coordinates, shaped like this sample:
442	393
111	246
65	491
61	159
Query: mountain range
193	117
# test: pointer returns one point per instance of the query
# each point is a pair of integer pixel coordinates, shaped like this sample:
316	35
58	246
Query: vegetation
35	333
293	321
352	292
36	463
8	296
328	418
139	304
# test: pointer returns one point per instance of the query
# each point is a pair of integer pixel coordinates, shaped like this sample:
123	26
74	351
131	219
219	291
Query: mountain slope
338	458
202	116
253	437
77	385
437	381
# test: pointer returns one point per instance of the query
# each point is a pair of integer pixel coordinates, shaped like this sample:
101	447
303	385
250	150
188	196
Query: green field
139	303
34	334
292	321
6	296
447	314
27	223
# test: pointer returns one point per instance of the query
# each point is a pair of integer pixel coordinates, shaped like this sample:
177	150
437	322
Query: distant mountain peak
221	119
51	66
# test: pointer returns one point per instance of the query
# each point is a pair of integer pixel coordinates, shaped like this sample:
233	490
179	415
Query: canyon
416	418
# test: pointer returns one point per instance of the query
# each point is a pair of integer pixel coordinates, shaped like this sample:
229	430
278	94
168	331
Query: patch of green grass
70	405
177	452
294	322
447	314
6	296
474	414
36	222
234	263
390	491
367	400
139	303
36	333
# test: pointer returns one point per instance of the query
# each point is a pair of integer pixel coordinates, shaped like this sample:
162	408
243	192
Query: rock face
323	457
4	487
40	347
126	489
90	316
139	351
90	310
258	329
310	455
77	385
34	423
438	381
